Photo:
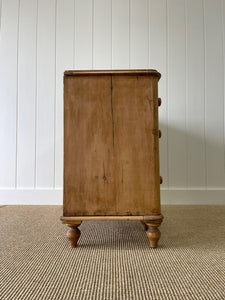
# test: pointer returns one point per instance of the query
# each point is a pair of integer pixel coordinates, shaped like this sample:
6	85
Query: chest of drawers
111	149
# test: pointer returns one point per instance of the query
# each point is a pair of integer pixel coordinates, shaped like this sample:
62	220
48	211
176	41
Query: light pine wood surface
111	149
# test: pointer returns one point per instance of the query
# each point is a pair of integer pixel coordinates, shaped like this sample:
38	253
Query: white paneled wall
183	39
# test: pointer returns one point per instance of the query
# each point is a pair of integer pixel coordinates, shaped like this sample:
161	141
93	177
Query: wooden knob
159	101
160	133
160	180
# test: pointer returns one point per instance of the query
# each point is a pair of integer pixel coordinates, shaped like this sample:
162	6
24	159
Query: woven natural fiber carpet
113	260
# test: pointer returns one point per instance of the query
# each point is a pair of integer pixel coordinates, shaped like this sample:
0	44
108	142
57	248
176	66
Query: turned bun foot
73	234
153	233
145	227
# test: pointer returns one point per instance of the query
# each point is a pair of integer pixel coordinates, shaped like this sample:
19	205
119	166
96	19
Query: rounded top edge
113	72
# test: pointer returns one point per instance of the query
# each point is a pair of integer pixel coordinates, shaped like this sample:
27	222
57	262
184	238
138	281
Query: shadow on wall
191	158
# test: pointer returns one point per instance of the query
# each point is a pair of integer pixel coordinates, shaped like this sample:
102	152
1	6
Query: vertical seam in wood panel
129	30
111	99
92	35
54	163
167	91
148	4
17	94
205	156
74	21
35	122
186	96
223	48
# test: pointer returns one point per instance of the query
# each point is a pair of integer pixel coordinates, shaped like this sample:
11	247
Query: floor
113	259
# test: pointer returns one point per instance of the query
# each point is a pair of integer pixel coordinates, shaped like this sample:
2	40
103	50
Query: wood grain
74	219
111	163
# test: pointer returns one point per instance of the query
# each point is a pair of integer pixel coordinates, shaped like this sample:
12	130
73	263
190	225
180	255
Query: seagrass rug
113	259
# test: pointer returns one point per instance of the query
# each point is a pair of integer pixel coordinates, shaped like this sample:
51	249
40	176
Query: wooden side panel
88	146
110	151
136	147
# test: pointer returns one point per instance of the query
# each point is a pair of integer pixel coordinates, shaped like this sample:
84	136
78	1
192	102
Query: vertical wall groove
223	37
74	33
149	38
129	31
205	156
203	9
54	168
167	95
92	41
186	95
17	83
35	125
111	32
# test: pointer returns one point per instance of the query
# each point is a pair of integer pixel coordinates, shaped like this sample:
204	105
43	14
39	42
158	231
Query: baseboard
168	197
31	197
193	197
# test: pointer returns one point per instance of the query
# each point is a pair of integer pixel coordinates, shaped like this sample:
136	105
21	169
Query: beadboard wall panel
195	94
177	98
8	92
214	93
158	60
27	34
183	39
65	57
120	34
102	34
83	38
46	93
139	34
